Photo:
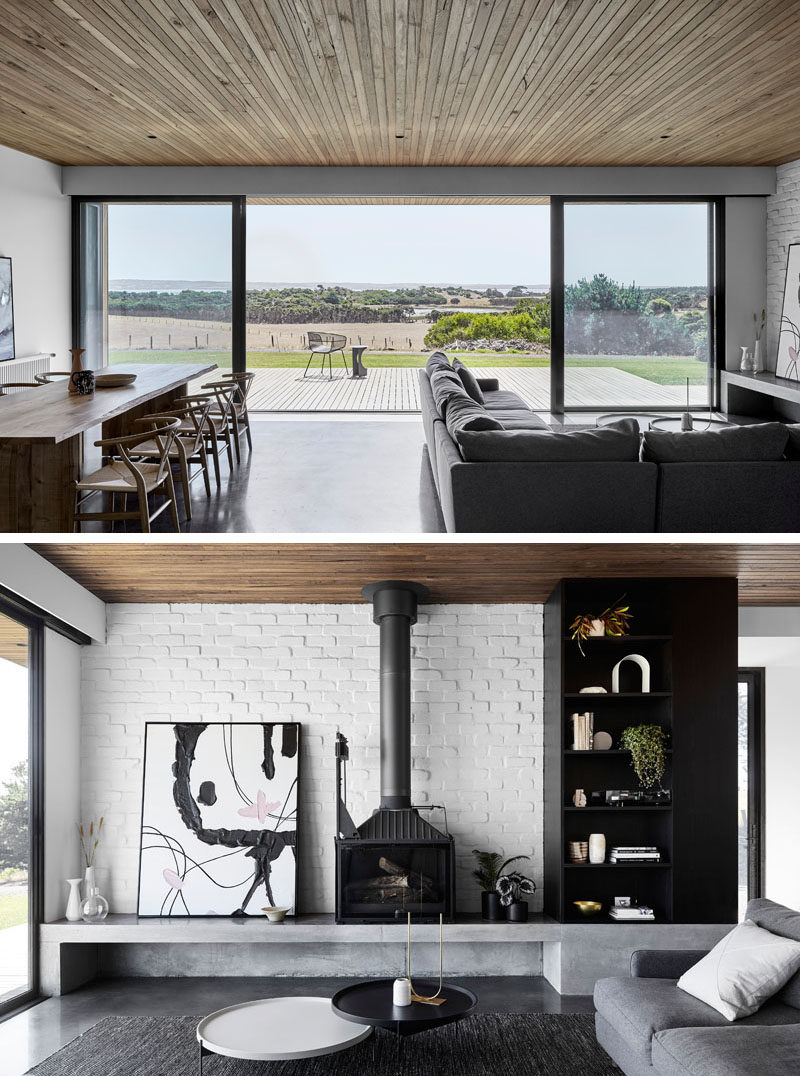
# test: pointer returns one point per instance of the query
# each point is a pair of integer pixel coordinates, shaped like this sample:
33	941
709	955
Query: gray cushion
781	920
763	442
462	413
727	1051
618	442
793	444
446	384
488	384
469	381
437	360
518	420
504	399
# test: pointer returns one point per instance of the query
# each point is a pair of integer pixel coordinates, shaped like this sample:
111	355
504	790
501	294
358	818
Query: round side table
277	1029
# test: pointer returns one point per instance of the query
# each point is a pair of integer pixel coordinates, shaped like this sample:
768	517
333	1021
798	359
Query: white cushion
748	966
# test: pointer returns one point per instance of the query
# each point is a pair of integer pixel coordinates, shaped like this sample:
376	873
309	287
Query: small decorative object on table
275	915
95	907
593	691
73	912
597	847
401	992
578	851
90	842
83	381
588	907
511	887
77	367
490	867
614	621
632	914
579	798
643	664
758	357
648	747
601	741
687	421
746	361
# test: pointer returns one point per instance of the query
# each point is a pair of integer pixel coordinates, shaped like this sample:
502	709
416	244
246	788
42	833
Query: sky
477	245
14	692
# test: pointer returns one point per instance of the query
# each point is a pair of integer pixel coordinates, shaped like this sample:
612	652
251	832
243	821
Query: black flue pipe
394	610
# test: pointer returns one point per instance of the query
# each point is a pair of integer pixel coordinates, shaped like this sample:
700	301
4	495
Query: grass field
663	371
13	909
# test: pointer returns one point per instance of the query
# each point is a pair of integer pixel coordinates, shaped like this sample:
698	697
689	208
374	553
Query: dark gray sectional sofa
651	1028
498	467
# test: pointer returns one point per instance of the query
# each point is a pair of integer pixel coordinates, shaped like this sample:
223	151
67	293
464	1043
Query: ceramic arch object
643	664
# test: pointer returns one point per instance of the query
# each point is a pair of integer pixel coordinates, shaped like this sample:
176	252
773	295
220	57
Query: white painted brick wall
476	725
783	228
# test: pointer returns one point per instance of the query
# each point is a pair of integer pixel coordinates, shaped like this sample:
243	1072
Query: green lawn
13	909
663	371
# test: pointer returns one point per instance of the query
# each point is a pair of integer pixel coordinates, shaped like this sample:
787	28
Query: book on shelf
634	848
638	913
635	859
582	731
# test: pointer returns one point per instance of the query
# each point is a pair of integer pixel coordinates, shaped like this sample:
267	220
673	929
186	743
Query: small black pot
517	912
491	908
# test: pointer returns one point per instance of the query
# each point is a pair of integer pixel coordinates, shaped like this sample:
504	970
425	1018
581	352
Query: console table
759	394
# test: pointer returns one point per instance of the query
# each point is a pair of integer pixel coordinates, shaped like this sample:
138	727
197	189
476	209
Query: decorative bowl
275	915
114	381
588	907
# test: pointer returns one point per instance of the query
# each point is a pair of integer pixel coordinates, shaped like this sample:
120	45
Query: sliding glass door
20	821
750	808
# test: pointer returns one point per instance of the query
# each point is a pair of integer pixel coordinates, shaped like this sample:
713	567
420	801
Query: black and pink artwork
789	333
219	819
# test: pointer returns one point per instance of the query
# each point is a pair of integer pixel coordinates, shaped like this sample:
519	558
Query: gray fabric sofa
649	1026
509	478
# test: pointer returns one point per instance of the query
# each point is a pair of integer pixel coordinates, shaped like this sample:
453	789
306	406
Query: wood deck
397	390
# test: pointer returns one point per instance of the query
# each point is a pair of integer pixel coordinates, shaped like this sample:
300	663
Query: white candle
401	992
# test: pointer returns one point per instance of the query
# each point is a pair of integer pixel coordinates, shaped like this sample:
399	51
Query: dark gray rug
537	1044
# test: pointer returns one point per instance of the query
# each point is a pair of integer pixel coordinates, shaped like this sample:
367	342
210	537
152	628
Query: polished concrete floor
30	1037
318	474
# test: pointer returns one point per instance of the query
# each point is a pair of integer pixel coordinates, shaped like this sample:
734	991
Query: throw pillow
444	385
742	971
437	360
618	442
469	381
464	414
766	441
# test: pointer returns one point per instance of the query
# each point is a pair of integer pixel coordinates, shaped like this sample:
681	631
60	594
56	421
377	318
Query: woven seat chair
219	421
240	418
323	344
189	445
124	473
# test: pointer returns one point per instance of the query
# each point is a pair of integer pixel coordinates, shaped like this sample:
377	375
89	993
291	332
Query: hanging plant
648	747
490	867
615	620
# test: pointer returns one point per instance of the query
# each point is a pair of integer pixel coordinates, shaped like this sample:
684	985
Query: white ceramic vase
89	882
597	847
746	364
73	912
758	362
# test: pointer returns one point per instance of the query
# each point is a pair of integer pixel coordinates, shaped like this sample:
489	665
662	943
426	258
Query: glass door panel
636	306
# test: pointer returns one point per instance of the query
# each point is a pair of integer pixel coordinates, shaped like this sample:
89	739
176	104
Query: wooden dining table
42	433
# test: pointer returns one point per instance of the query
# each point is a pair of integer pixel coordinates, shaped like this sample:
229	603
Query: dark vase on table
491	908
517	912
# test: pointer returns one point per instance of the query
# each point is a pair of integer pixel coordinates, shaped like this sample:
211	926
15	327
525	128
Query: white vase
89	882
758	362
746	364
73	912
597	847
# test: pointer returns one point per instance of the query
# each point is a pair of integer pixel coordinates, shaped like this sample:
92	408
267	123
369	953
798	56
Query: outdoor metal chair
323	344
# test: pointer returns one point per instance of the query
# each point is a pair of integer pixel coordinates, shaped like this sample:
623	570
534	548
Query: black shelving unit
687	630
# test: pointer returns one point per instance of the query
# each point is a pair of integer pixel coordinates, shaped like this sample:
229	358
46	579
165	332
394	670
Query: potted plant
648	747
615	620
490	867
510	888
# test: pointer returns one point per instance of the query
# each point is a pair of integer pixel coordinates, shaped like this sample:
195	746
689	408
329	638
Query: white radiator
25	368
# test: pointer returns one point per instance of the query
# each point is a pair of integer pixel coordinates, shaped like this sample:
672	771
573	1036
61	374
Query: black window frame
716	293
35	625
756	679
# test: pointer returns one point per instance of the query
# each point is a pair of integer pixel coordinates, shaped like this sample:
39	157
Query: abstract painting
789	334
6	311
219	818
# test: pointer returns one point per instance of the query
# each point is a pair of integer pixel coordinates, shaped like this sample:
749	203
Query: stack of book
582	731
637	914
632	853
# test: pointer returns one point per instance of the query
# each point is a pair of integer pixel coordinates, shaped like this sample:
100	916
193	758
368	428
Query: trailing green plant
648	747
511	887
490	866
616	621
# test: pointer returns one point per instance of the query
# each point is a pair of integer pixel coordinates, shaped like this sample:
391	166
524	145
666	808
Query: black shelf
696	881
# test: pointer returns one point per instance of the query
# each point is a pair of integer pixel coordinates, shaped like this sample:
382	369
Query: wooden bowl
588	907
114	381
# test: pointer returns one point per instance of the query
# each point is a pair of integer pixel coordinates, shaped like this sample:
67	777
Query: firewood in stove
415	878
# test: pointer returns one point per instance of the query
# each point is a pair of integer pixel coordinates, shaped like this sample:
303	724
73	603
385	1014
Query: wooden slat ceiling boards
454	572
13	641
402	82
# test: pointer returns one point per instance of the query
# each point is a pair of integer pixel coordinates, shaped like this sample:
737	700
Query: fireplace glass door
383	881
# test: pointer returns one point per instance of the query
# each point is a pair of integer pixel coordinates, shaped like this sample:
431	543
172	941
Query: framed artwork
6	311
219	818
789	333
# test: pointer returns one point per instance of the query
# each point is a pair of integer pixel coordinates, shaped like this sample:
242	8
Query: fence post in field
195	343
129	341
206	339
151	343
169	340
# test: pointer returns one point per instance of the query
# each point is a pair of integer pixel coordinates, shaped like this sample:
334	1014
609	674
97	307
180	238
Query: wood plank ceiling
769	574
13	641
402	82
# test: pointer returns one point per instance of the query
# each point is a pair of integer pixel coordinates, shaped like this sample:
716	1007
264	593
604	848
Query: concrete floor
30	1037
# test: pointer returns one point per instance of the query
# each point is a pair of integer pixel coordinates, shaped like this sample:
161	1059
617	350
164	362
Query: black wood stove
396	862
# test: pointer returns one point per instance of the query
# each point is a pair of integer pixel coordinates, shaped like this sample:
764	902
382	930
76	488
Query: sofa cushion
727	1051
504	399
793	444
638	1008
446	384
779	919
618	442
469	381
437	360
766	441
743	970
462	413
519	420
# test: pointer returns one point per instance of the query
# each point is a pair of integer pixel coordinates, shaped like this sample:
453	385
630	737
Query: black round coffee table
371	1003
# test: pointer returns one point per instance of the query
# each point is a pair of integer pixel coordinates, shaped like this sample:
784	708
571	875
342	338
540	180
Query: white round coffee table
277	1029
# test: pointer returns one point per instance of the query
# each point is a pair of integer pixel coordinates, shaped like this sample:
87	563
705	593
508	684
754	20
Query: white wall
745	273
62	755
783	228
476	724
35	233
